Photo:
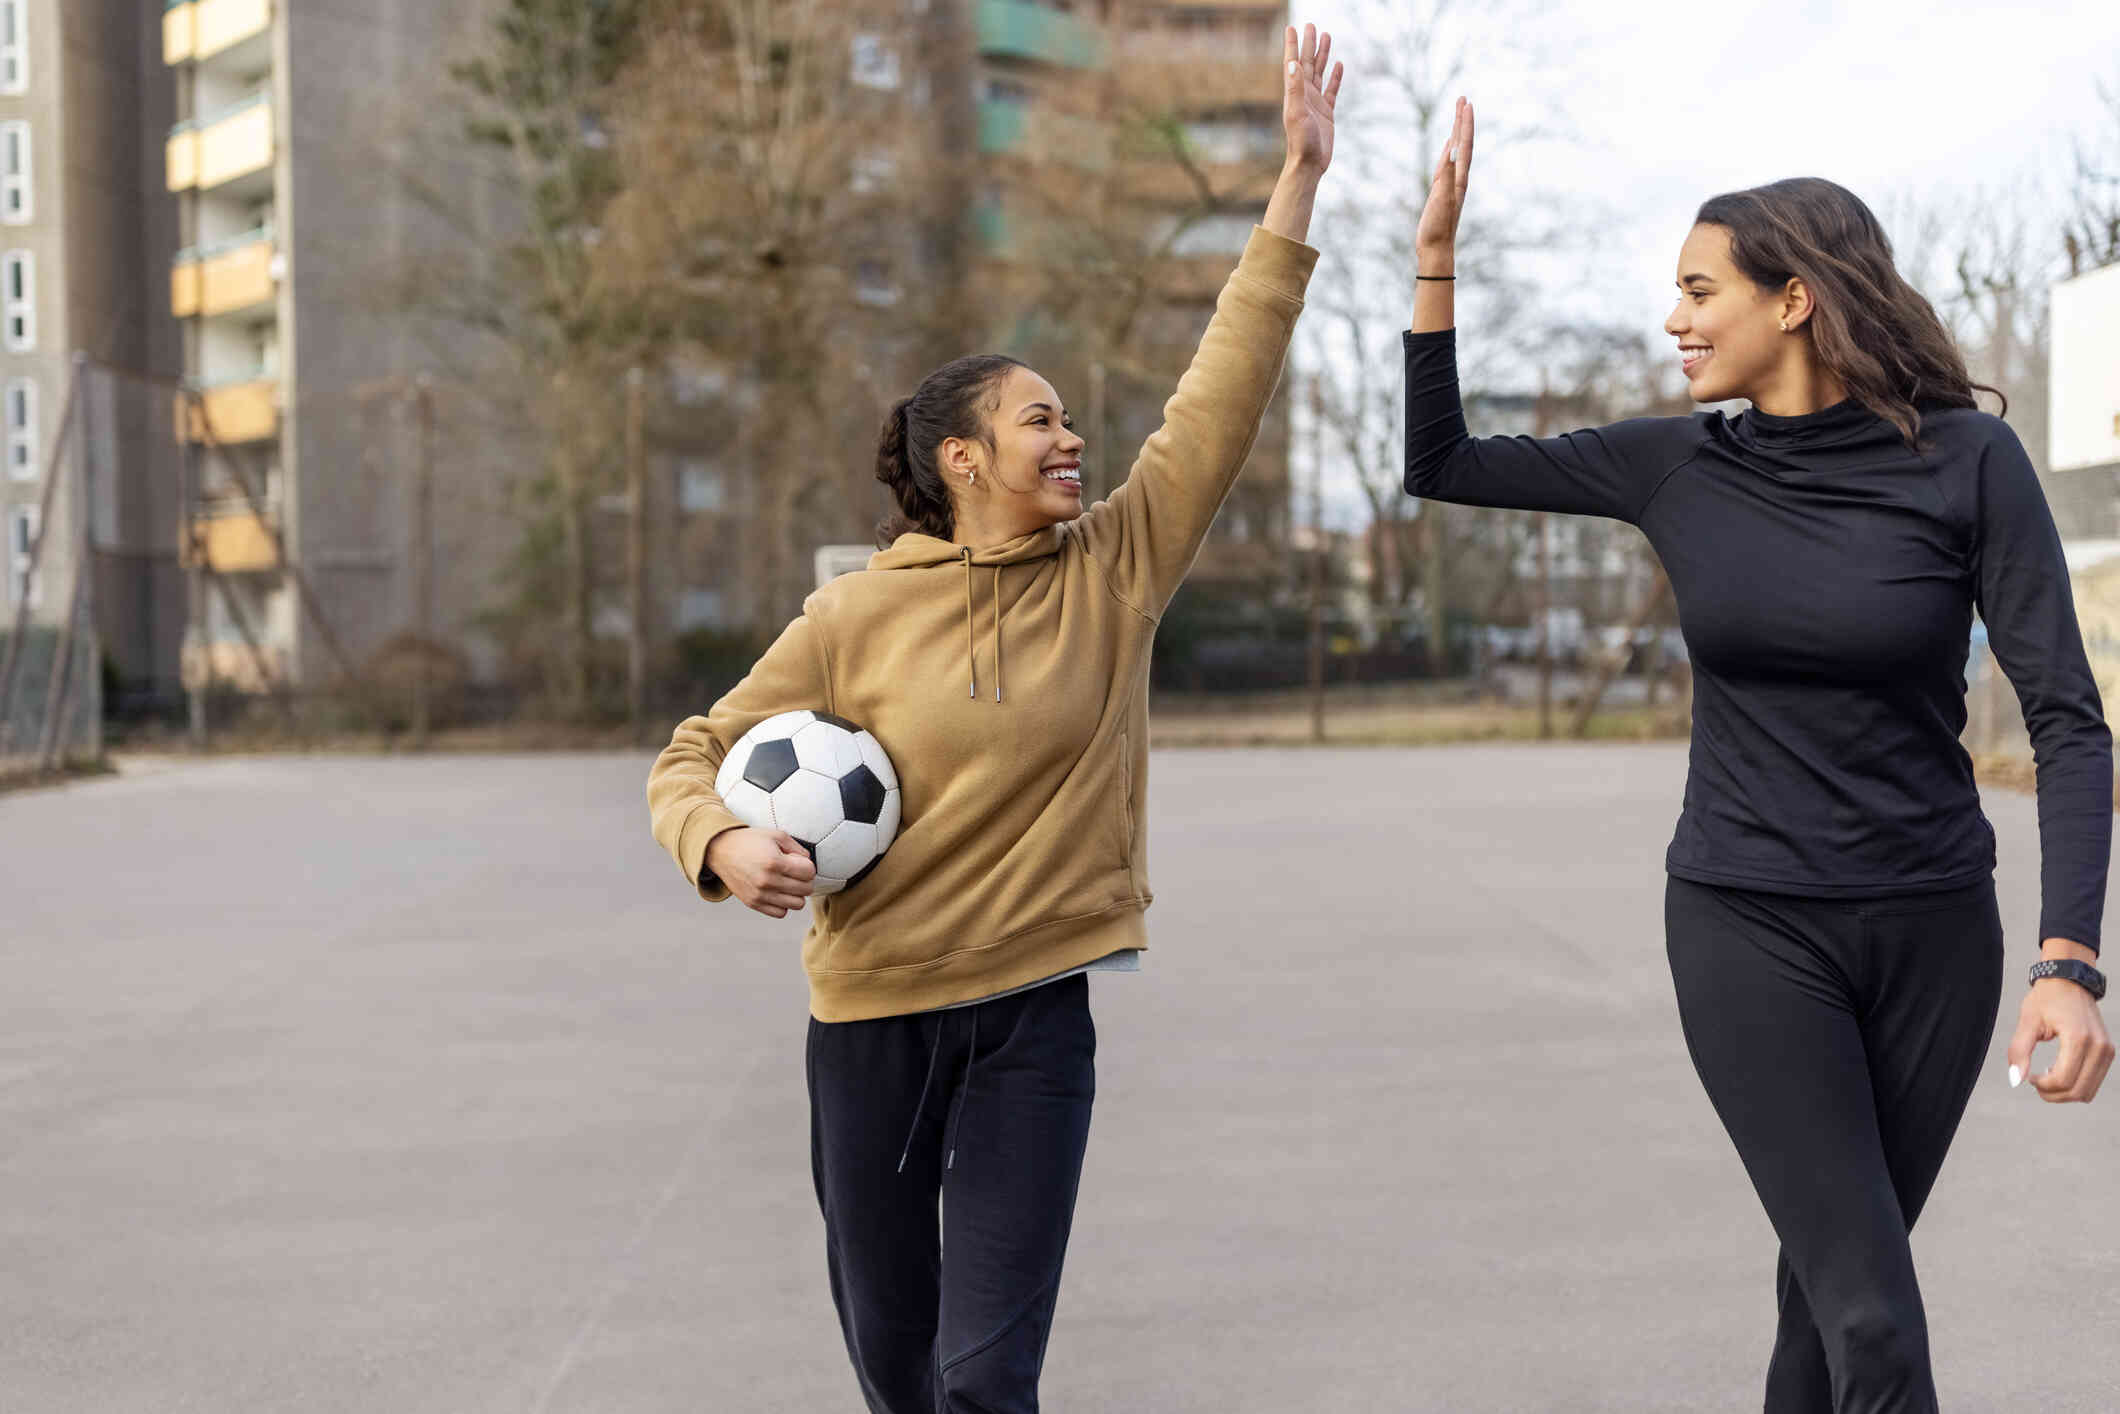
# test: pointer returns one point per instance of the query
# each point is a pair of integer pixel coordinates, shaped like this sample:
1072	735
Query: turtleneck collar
1844	421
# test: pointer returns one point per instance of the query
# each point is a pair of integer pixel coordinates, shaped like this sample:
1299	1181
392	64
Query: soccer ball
823	780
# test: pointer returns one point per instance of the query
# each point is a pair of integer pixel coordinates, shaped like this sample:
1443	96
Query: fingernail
2016	1076
1291	66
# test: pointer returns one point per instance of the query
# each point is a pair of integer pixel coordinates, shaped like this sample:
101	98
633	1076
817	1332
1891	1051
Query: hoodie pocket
1126	802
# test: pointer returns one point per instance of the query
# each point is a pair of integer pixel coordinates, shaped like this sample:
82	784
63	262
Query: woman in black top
1830	912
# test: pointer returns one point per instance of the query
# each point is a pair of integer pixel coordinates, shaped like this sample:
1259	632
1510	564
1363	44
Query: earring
971	478
1784	326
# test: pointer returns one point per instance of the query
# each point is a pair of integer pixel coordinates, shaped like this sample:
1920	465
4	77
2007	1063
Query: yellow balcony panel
223	24
217	148
184	289
236	543
180	156
236	146
233	412
179	31
235	276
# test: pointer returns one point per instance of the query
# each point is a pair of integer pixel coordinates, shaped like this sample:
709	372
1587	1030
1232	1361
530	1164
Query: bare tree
1391	133
2090	233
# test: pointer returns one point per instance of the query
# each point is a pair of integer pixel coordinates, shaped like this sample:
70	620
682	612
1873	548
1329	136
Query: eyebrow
1034	407
1685	280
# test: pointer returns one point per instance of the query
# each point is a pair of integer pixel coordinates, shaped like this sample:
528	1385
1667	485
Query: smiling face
1730	341
1031	475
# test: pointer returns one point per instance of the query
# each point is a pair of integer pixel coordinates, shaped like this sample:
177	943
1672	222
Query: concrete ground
426	1087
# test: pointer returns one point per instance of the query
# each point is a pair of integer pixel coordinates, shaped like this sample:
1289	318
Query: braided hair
953	401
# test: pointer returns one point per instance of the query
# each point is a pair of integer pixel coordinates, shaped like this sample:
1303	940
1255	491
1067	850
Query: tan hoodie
1010	686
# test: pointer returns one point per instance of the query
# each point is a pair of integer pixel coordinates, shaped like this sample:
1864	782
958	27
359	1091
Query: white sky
1672	102
1667	103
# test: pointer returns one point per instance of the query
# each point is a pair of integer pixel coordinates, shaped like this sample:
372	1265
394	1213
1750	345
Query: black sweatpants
985	1108
1839	1041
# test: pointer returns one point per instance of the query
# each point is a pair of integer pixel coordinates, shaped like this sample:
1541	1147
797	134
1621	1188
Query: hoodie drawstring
997	633
971	652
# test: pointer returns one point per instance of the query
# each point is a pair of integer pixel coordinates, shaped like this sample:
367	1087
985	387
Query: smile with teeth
1690	355
1072	475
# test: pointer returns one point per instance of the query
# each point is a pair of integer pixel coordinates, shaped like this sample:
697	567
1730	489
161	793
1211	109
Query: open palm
1308	98
1446	190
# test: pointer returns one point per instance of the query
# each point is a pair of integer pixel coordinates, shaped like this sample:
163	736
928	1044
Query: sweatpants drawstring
964	1087
920	1105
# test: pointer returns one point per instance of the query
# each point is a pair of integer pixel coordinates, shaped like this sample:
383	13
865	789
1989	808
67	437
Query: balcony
247	410
219	148
235	540
1200	79
198	30
1042	134
1017	29
226	277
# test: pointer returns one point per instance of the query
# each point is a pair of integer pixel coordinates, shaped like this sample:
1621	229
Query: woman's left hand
2059	1010
1308	97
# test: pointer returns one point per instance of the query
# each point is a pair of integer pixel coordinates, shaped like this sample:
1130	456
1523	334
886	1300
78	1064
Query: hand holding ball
817	788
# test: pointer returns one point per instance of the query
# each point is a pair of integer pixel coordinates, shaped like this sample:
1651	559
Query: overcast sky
1671	102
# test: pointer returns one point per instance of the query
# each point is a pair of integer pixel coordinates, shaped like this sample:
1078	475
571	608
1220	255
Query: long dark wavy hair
953	401
1872	330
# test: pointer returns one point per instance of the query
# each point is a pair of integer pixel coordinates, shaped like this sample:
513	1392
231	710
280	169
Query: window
700	486
14	46
21	416
875	62
15	190
1222	234
21	539
872	172
18	301
872	284
700	608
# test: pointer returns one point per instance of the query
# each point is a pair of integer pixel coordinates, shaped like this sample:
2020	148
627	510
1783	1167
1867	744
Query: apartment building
287	163
1078	104
81	228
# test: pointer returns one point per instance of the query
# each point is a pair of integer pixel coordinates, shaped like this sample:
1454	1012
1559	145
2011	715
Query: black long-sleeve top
1826	577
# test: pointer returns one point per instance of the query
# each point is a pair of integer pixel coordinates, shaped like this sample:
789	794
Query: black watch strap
2069	969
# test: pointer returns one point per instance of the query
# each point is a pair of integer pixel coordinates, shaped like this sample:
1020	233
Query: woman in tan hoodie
999	649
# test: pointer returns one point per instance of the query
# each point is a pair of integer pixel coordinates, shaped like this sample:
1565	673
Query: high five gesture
1435	239
1308	98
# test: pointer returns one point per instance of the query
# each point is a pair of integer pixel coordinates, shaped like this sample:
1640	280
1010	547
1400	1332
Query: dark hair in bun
953	401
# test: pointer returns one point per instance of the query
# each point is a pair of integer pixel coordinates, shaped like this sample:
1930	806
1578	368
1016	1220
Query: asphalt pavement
425	1086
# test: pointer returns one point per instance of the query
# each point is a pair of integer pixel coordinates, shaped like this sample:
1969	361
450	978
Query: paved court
425	1087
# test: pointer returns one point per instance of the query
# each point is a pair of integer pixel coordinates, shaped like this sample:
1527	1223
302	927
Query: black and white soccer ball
823	780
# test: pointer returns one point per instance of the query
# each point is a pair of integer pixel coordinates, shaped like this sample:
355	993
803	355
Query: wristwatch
2068	969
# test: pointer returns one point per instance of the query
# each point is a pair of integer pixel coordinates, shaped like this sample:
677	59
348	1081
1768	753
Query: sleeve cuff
700	830
1280	264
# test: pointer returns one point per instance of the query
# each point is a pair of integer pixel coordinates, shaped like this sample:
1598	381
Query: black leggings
1839	1042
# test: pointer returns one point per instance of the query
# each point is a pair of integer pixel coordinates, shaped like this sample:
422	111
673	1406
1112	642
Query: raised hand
1308	97
1436	236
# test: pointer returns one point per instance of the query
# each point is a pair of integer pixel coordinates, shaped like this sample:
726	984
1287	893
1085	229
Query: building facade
87	350
298	128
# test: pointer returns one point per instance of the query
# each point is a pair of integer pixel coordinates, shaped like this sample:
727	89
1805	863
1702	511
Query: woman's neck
1798	390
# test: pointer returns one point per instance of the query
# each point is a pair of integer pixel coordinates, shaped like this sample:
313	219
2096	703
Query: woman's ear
1797	305
960	460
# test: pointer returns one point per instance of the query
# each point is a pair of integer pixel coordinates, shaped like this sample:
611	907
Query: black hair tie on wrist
1435	277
